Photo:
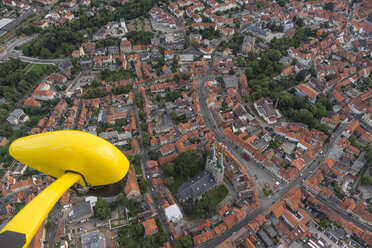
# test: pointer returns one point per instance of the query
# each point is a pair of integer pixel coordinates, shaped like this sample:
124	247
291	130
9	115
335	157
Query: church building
205	181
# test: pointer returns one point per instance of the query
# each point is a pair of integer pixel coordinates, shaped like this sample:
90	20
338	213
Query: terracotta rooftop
132	184
307	90
150	226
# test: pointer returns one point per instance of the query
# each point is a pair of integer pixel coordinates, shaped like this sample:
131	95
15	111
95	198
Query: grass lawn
38	68
214	197
218	194
23	46
178	180
137	169
119	75
119	222
27	67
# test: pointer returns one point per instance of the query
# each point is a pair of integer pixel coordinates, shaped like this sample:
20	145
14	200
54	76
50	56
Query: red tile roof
132	184
307	90
150	226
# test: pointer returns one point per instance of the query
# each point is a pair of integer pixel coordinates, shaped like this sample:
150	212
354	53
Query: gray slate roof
80	210
196	186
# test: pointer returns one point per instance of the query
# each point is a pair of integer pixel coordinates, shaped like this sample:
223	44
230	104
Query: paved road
43	61
15	42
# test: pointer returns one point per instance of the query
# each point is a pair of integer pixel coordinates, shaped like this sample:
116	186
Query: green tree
368	154
138	99
366	180
313	71
178	244
144	126
121	89
102	209
186	43
186	163
154	155
173	115
300	22
3	114
187	241
294	61
185	76
122	200
94	93
354	141
168	169
240	61
142	184
329	6
142	115
146	138
169	181
176	77
324	223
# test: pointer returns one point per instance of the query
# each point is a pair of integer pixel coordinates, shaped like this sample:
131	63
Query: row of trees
15	82
28	30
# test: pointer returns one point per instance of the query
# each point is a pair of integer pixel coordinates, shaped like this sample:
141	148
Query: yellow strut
28	220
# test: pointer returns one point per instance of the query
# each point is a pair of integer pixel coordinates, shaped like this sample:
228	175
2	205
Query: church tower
219	170
215	166
211	160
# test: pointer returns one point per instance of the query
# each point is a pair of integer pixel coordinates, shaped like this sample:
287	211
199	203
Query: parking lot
325	237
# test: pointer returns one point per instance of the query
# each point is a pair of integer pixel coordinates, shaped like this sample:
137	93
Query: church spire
213	153
220	162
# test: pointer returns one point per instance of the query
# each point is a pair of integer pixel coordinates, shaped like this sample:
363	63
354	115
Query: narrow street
144	159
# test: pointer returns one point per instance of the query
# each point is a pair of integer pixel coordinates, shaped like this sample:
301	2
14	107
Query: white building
123	25
173	213
17	116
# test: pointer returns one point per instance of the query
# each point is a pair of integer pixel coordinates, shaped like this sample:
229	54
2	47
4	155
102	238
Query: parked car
246	157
